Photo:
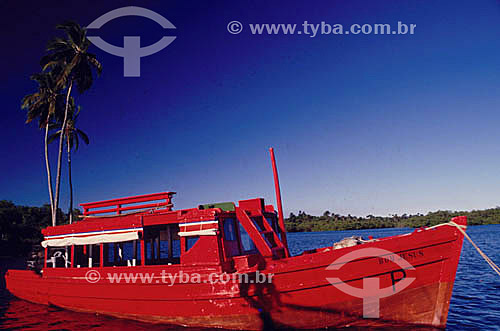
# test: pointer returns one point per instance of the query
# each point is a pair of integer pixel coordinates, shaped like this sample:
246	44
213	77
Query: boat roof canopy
105	222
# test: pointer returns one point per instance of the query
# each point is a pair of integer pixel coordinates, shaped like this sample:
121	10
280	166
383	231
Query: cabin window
247	242
231	244
190	241
163	244
229	229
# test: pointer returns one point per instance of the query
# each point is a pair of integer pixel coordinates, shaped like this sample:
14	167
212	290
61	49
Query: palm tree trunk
61	141
49	175
70	182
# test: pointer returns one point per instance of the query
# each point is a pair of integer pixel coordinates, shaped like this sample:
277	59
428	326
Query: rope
483	255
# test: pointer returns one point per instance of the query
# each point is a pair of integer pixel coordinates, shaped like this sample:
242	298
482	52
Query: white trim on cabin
79	234
207	232
198	223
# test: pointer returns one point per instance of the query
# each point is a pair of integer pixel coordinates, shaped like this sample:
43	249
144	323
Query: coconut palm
72	136
75	65
43	105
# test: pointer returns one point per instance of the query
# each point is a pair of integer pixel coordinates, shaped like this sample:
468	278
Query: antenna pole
278	201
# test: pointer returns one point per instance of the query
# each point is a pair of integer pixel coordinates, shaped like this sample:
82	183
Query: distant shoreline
333	222
393	227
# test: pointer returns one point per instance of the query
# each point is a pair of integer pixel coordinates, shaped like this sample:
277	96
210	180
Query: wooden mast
278	202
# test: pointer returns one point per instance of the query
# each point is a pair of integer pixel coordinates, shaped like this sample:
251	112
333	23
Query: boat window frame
152	242
236	233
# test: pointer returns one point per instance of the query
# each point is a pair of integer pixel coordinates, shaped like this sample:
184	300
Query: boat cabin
145	230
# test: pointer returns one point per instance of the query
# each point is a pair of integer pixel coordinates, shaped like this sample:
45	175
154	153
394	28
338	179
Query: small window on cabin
190	241
163	244
229	229
247	242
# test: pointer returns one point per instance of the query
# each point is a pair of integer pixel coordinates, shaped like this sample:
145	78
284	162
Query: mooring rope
483	255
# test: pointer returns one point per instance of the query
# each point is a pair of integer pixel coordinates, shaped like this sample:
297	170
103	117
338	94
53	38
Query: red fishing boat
228	265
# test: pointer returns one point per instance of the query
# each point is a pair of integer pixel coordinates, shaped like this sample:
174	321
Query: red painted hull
300	296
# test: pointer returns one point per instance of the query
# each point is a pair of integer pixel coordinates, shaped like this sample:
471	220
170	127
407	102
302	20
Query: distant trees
333	222
20	226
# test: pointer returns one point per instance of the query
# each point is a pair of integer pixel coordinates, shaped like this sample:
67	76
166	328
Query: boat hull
301	293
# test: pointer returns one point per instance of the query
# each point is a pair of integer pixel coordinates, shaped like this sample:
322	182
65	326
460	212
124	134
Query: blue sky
361	124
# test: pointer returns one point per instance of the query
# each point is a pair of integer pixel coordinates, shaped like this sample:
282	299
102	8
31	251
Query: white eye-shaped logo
131	50
371	293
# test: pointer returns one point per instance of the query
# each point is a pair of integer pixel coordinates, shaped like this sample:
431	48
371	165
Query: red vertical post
278	201
143	245
143	251
72	256
101	257
45	258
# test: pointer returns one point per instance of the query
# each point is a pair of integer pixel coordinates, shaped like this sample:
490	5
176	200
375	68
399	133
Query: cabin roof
141	210
145	210
133	220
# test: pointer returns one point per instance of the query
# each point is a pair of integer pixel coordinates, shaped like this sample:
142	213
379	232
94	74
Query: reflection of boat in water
227	265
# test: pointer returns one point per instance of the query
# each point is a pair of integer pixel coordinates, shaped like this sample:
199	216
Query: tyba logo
131	50
371	293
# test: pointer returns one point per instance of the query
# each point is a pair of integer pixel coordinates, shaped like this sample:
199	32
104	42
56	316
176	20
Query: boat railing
156	200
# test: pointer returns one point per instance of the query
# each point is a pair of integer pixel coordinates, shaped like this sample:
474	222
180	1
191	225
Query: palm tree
72	137
75	65
43	105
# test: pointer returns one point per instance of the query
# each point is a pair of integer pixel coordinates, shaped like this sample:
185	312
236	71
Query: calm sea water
475	304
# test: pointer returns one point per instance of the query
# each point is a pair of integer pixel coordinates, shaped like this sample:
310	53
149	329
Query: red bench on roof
119	204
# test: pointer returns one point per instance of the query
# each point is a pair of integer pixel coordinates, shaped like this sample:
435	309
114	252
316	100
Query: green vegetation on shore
20	226
333	222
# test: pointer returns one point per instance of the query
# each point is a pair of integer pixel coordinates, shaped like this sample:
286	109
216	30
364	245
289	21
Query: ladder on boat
265	238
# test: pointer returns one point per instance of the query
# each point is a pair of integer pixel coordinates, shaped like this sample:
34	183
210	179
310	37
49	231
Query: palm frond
84	136
92	59
53	137
83	76
57	45
72	30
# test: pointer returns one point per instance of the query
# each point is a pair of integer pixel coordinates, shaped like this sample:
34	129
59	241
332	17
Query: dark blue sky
361	124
